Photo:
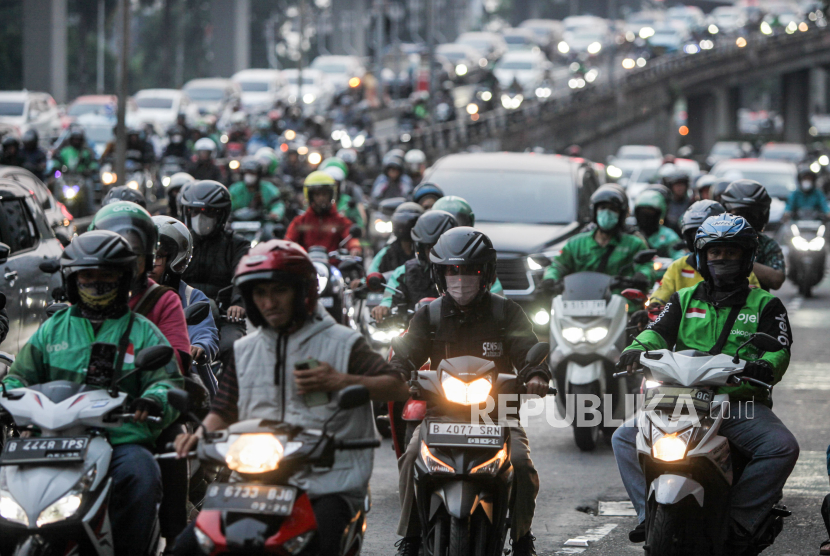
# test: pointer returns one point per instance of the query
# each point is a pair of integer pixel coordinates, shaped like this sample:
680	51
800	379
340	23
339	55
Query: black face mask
648	223
725	274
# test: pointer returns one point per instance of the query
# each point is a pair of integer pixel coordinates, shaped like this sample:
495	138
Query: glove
551	287
759	370
640	282
629	357
639	319
150	406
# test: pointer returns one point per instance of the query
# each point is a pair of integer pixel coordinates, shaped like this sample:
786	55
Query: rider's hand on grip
629	360
144	407
759	370
551	287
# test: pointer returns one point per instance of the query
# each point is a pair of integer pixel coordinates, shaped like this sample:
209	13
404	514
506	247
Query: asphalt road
573	482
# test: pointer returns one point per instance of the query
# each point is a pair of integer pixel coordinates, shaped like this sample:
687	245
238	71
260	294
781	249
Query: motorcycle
689	468
255	226
139	179
55	489
463	475
74	190
335	270
807	254
170	165
380	218
259	511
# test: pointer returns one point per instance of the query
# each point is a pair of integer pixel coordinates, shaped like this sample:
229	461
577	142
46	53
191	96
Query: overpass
638	107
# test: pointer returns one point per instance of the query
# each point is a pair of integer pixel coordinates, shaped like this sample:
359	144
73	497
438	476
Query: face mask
98	296
807	185
725	274
648	223
176	139
203	225
607	219
250	179
463	289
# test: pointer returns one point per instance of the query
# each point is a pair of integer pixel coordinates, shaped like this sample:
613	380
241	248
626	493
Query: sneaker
638	534
524	546
408	546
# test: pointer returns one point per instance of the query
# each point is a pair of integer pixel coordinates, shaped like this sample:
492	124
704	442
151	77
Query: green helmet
458	207
651	199
268	160
131	222
334	161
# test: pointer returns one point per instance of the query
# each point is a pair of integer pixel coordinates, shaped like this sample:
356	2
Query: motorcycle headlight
70	191
346	141
434	465
165	181
669	448
533	265
254	453
63	509
800	243
613	171
383	226
132	184
596	334
315	158
541	317
816	244
10	510
308	98
233	164
359	141
465	393
108	178
491	466
574	335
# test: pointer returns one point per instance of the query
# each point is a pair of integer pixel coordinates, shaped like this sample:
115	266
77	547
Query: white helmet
414	159
205	144
349	156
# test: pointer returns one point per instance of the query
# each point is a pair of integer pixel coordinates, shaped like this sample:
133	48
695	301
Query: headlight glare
596	334
613	171
254	453
434	465
63	509
574	335
541	317
801	244
669	448
11	510
132	184
465	393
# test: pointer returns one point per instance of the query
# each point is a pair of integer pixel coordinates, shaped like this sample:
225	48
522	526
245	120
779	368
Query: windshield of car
81	109
792	154
779	184
516	39
205	94
98	134
452	55
482	45
725	149
534	198
331	68
11	108
587	35
666	34
254	86
516	65
154	102
638	153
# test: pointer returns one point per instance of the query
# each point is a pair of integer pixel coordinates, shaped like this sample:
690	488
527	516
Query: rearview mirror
537	354
179	400
376	282
352	397
196	313
644	256
765	342
356	231
5	251
634	295
50	266
153	357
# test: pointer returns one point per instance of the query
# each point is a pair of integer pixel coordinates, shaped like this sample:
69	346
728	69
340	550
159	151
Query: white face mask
203	225
250	179
807	185
463	289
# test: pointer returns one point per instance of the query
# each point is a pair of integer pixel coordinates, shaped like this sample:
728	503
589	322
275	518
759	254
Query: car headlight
596	334
132	184
359	141
491	466
12	511
563	47
254	453
63	509
465	393
434	465
308	98
594	48
669	448
574	335
70	191
613	172
541	317
472	108
461	70
233	164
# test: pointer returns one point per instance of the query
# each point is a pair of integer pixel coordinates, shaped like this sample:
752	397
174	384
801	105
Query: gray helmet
428	229
694	216
97	249
124	193
175	243
463	246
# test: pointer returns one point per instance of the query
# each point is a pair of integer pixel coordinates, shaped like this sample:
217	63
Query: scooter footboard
670	489
461	498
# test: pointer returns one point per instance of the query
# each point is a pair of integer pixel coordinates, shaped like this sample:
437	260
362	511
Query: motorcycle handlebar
361	444
151	419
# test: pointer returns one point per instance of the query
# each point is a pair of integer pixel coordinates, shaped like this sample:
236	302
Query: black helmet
174	130
428	229
805	171
614	195
717	189
726	229
404	218
749	199
124	193
205	195
694	216
129	220
10	141
250	166
463	246
393	159
77	133
30	136
97	249
675	177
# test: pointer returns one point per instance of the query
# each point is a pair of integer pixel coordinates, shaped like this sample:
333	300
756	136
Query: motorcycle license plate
327	302
18	451
591	308
462	434
670	396
250	498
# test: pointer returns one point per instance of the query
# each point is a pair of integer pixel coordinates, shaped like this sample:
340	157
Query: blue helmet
425	189
726	229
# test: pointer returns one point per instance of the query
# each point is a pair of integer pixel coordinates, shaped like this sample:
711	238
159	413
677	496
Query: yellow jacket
679	275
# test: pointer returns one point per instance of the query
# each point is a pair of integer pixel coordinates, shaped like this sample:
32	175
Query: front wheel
585	436
663	536
459	541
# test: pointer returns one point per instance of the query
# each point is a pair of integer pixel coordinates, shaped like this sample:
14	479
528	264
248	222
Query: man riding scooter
402	249
393	182
254	192
717	316
650	211
806	198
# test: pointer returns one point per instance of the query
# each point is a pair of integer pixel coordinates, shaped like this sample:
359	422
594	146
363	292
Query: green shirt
60	350
582	253
664	240
349	212
242	197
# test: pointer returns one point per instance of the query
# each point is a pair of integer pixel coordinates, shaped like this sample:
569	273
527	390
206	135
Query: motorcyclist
678	182
279	284
649	211
703	187
76	155
459	208
426	194
349	194
416	163
461	322
353	173
806	197
174	189
206	206
98	268
402	249
177	143
138	148
716	192
204	166
725	247
322	224
750	199
392	182
606	249
292	169
11	152
263	136
34	156
124	193
256	193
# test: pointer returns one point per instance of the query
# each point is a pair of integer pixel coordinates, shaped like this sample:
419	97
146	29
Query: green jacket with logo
241	197
692	320
582	253
60	350
664	240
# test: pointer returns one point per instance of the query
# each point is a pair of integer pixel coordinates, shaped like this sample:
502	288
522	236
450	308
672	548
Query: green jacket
583	254
77	160
664	240
349	212
241	197
399	277
692	320
60	350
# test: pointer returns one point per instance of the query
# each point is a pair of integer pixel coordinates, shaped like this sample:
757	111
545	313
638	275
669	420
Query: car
630	158
26	241
214	95
526	67
24	110
317	91
548	32
260	88
465	58
519	38
548	202
162	106
649	172
59	219
668	38
724	150
489	45
584	33
778	176
646	19
691	17
727	19
791	152
340	70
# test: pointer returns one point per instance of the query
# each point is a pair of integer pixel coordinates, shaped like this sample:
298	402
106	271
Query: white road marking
806	376
617	509
809	476
808	318
795	304
577	545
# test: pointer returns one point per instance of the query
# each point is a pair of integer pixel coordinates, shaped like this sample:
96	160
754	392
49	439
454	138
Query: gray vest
261	398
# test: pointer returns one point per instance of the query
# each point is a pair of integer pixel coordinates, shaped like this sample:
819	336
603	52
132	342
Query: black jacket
205	171
214	262
34	161
394	257
415	284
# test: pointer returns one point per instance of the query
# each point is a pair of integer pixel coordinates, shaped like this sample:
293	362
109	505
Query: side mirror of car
5	251
153	357
644	256
537	354
376	282
356	231
765	342
50	266
352	397
196	313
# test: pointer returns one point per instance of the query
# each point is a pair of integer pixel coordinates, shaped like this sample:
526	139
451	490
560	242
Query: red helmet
278	260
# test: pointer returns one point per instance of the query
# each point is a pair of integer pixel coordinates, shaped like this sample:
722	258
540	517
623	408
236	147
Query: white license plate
460	429
592	308
327	302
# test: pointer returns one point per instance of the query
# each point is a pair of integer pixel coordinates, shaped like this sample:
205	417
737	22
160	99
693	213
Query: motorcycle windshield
586	286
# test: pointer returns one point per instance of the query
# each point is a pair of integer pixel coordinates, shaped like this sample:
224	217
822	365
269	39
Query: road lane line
579	544
803	375
809	476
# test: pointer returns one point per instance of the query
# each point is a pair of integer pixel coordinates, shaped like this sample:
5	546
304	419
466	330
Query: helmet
124	193
337	163
336	173
749	199
175	243
349	156
205	144
672	175
269	160
393	159
613	194
694	216
175	130
662	190
97	249
202	196
425	190
726	229
404	218
10	141
804	171
716	192
250	166
463	246
131	222
77	133
651	199
318	181
414	159
278	260
178	179
30	136
428	229
458	207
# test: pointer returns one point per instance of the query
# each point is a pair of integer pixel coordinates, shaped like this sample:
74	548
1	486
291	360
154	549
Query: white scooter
55	488
688	466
